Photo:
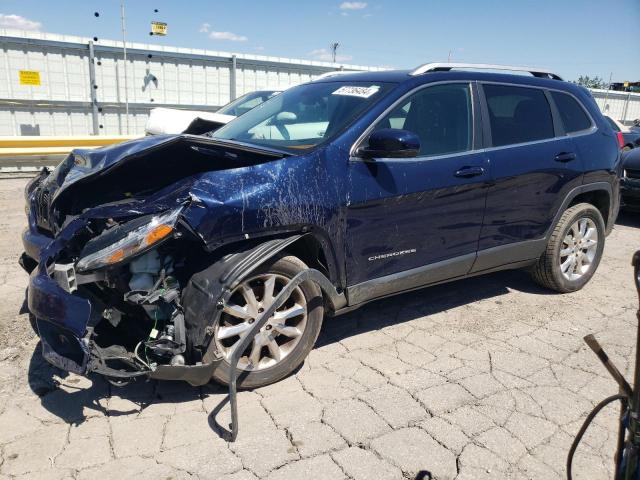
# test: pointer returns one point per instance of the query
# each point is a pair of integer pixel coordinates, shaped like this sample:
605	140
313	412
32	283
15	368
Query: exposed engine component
113	316
158	292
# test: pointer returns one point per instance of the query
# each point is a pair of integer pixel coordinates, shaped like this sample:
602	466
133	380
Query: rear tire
285	267
570	258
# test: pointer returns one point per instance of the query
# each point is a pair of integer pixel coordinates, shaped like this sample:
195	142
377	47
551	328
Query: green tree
591	82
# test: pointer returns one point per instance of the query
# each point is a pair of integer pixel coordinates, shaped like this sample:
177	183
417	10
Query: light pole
124	54
334	48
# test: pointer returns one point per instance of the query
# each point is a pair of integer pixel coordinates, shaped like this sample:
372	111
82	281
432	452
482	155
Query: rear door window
573	116
518	114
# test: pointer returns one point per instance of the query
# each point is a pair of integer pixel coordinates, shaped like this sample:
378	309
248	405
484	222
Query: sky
571	37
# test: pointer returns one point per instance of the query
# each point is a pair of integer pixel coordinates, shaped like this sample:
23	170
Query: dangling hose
585	425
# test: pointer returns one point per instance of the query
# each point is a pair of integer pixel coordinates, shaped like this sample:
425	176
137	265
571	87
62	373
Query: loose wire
592	415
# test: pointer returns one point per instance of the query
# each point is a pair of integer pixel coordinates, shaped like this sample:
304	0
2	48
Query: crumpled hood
135	170
82	162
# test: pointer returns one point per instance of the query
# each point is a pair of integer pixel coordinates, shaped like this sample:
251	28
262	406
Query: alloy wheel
579	248
277	338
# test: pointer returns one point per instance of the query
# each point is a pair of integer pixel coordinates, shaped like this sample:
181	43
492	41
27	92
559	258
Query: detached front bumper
34	242
66	318
61	317
62	320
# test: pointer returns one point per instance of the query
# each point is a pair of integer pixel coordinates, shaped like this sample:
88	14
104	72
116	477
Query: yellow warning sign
29	77
158	28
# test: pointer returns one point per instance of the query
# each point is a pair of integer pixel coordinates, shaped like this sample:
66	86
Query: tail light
620	139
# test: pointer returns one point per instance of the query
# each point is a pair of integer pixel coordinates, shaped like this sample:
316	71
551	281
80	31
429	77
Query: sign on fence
29	77
158	28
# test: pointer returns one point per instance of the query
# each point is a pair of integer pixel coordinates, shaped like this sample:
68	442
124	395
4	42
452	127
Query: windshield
246	102
302	117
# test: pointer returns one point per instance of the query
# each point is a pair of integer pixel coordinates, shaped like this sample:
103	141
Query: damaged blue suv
209	256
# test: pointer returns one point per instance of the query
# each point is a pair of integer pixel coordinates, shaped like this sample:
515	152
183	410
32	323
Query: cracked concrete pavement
482	378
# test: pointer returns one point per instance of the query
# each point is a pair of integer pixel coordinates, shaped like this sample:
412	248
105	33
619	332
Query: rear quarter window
573	116
518	114
613	124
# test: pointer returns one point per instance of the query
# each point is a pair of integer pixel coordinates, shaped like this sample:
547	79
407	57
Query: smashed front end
110	251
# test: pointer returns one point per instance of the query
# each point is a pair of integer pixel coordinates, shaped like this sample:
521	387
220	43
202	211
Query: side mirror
285	118
391	143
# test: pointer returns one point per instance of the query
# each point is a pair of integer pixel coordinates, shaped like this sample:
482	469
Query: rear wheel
288	336
574	250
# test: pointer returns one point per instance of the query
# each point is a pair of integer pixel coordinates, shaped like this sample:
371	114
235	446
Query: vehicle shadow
74	399
426	301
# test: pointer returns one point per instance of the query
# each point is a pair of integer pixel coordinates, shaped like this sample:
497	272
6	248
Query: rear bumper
630	192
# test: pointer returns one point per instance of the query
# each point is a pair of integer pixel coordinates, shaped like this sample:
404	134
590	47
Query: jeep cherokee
156	257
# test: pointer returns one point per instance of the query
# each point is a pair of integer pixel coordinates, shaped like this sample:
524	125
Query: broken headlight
128	240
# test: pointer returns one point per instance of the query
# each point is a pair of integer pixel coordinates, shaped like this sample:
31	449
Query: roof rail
445	67
334	73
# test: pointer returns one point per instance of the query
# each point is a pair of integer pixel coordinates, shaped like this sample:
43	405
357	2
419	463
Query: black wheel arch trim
207	292
258	255
572	194
289	235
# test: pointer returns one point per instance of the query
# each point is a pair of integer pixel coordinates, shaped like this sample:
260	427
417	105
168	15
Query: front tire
574	250
287	338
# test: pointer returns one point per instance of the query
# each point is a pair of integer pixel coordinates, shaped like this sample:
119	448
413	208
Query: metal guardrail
30	146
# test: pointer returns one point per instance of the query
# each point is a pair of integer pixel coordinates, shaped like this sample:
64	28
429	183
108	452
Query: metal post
232	78
606	97
93	93
626	107
124	55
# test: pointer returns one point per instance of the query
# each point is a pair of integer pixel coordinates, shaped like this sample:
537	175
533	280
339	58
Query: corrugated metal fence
623	106
82	85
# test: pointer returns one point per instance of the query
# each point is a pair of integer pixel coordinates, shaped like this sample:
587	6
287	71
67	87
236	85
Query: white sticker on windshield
362	92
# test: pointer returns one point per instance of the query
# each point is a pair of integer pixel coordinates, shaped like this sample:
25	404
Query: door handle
468	172
565	157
